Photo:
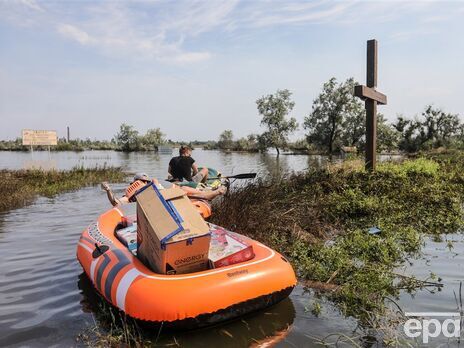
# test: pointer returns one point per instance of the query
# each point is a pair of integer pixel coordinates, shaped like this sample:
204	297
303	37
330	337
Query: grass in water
320	220
20	187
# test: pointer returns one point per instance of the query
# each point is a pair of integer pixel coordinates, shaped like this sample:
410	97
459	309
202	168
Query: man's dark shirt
181	167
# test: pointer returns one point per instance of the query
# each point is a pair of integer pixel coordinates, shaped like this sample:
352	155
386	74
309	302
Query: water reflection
268	326
40	304
157	163
154	163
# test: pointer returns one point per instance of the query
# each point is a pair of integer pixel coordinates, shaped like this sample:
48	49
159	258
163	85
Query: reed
21	187
320	220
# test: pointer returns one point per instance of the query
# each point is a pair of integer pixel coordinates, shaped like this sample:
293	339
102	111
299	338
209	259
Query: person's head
184	150
142	177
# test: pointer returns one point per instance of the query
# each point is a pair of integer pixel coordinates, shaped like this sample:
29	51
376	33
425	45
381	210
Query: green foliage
320	220
432	130
248	143
410	167
152	138
316	310
226	140
336	118
62	145
388	137
274	108
299	145
22	186
12	145
127	138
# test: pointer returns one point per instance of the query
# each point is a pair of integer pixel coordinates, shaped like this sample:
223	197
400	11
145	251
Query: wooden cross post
371	97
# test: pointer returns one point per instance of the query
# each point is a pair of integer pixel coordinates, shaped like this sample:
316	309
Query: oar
238	176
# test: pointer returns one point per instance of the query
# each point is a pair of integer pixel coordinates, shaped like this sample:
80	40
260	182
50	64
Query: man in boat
183	167
141	179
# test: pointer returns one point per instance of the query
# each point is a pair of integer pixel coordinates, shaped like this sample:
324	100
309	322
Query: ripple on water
43	305
18	337
38	283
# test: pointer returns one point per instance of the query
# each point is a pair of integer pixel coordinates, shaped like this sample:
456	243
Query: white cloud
32	4
299	14
74	33
196	17
409	34
118	29
22	13
162	30
192	57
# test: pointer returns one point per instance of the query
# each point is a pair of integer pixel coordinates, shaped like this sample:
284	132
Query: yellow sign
39	137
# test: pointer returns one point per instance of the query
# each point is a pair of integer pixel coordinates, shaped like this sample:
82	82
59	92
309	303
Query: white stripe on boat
85	247
123	287
92	270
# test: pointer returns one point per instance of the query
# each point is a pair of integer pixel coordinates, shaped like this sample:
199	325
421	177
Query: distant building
163	149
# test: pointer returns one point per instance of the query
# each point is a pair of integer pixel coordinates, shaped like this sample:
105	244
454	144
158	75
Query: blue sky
195	68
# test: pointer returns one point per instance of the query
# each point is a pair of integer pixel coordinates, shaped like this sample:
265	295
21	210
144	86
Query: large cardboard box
227	248
172	237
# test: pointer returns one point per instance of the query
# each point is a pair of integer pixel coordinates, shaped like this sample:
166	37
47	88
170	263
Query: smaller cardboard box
172	237
128	237
227	248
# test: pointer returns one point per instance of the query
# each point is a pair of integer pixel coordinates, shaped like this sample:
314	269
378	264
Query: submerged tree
337	117
387	136
152	138
353	127
127	138
433	129
274	109
226	140
248	143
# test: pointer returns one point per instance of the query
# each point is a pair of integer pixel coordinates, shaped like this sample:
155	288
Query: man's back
181	167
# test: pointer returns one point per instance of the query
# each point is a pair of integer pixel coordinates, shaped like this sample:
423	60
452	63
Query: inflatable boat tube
186	300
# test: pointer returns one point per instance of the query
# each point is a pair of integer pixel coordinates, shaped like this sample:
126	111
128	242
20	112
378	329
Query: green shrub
320	220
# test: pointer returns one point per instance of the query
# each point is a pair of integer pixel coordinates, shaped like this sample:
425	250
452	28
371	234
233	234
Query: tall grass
20	187
320	220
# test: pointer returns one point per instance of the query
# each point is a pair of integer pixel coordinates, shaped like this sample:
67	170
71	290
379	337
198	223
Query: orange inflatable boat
185	300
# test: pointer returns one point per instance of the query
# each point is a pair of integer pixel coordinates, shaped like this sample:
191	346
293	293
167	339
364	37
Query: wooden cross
371	98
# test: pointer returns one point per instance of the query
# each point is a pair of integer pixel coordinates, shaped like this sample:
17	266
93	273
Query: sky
196	68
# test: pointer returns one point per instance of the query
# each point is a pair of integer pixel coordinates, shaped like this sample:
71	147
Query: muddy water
45	300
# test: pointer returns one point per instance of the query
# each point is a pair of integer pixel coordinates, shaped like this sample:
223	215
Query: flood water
46	300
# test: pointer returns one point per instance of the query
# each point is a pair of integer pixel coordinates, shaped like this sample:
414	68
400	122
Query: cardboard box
227	248
172	237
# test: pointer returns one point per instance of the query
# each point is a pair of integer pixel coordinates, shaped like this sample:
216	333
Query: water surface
47	301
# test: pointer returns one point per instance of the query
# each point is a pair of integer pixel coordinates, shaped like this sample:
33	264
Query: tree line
337	119
127	139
